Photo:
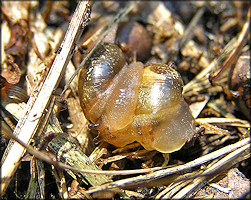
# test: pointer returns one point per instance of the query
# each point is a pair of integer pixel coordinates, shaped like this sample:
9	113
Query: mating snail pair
128	103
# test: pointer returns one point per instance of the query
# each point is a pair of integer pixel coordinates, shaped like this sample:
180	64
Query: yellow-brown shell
96	75
162	108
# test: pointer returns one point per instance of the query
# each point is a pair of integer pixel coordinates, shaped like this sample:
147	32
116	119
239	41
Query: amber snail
134	102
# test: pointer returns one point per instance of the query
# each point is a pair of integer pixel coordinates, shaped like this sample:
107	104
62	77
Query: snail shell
97	74
135	102
161	99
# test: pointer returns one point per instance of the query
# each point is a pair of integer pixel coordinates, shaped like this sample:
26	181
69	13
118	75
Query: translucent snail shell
134	102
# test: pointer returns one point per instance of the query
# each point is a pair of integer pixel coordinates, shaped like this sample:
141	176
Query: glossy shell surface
135	102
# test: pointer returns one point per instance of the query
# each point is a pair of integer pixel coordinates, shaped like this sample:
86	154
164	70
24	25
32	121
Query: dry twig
40	98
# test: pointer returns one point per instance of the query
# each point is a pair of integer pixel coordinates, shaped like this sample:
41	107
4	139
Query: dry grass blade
237	48
36	185
187	34
197	107
61	184
199	179
29	122
231	50
212	172
201	82
218	106
172	170
168	190
224	121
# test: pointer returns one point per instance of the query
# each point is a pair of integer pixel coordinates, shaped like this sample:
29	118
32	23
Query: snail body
134	102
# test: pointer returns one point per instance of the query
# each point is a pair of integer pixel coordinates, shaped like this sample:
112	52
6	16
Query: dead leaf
18	44
11	71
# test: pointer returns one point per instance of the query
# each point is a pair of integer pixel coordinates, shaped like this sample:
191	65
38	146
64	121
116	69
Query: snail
134	102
